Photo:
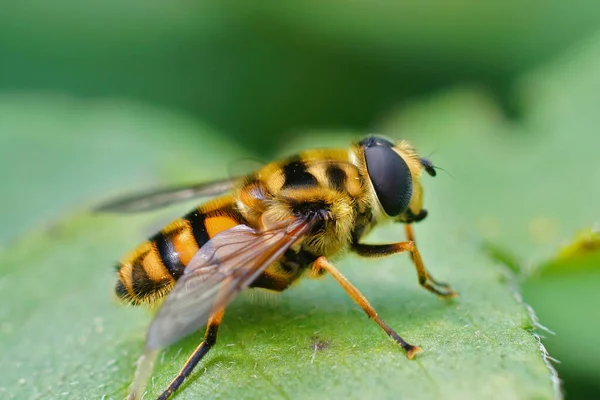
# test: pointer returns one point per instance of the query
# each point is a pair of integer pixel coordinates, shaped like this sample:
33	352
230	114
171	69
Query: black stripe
336	177
197	222
295	174
168	254
142	285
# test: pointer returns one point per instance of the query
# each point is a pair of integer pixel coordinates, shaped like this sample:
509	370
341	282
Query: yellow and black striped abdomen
150	271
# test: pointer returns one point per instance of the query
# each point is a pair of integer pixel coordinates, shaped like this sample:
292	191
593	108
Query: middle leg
425	278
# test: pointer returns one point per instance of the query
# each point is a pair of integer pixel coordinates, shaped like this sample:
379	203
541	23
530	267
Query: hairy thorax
300	188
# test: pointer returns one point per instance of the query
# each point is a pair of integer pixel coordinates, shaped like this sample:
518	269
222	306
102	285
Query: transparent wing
219	271
162	197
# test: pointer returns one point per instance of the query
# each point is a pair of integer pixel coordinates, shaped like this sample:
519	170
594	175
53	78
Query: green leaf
64	336
564	291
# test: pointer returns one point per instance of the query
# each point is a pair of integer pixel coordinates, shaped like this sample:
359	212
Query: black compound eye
371	141
390	176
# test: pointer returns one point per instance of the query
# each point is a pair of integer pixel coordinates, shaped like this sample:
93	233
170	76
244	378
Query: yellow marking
179	232
410	156
319	171
354	183
136	253
219	223
154	267
272	177
324	154
184	243
220	203
413	161
125	277
174	226
126	269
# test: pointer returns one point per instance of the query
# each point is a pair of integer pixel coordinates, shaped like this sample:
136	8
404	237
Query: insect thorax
312	182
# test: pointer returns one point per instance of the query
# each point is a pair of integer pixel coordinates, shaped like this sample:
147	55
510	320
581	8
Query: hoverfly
286	220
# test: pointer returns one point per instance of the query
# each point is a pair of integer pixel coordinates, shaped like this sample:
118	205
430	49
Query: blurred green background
511	86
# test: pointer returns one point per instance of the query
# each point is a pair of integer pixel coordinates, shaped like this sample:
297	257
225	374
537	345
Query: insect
288	219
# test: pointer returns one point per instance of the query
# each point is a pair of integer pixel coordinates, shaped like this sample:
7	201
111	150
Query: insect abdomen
151	270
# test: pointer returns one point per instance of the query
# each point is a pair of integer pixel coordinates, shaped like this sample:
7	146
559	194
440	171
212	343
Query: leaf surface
64	336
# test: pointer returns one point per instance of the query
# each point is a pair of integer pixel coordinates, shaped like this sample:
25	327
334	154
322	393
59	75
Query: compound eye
371	141
390	177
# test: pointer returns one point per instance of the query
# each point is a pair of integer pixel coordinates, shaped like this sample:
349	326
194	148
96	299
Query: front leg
425	278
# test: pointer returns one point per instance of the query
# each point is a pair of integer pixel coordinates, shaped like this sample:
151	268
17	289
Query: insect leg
323	264
425	278
410	235
210	338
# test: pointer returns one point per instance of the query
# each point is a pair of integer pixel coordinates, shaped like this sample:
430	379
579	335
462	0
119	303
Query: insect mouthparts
324	214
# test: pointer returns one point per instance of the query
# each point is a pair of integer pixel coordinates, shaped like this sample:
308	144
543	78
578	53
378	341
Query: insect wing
163	197
220	270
